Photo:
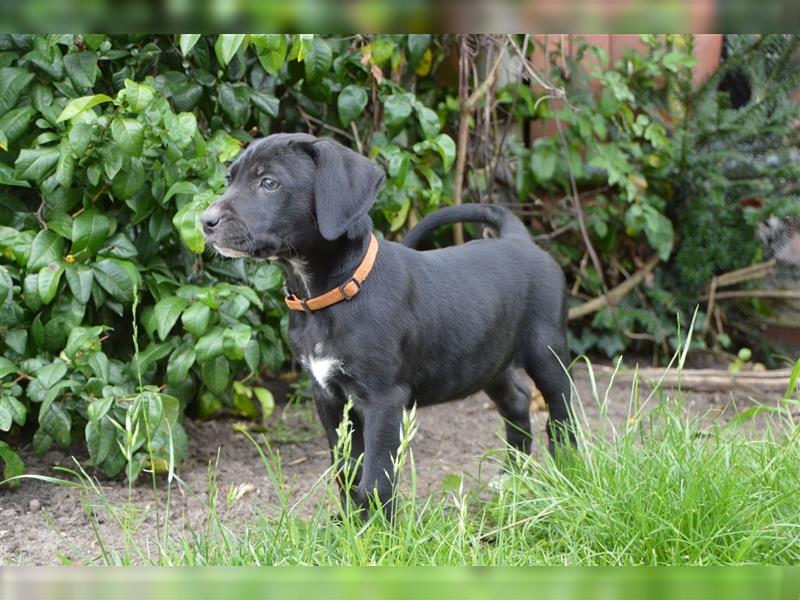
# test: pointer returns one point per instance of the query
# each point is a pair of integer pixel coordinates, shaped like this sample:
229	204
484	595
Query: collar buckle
345	284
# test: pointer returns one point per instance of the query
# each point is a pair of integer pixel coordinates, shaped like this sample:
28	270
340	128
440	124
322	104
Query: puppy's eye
269	184
228	178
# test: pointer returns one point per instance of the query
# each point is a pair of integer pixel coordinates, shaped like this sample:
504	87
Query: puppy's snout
211	218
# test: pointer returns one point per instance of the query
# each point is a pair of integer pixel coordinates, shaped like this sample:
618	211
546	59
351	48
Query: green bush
664	169
113	322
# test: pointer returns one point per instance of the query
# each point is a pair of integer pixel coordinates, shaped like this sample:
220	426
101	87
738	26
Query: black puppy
400	326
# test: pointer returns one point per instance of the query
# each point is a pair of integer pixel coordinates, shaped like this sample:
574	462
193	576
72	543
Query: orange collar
344	291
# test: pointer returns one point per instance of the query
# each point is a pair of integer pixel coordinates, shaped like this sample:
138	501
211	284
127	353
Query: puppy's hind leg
513	403
544	354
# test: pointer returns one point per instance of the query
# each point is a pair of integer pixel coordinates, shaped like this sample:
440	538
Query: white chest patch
322	367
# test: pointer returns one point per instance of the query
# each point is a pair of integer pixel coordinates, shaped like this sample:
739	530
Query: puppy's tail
506	223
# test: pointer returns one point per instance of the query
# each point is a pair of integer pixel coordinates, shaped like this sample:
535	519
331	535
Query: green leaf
129	180
49	278
417	44
13	82
167	311
179	187
252	355
77	106
397	108
794	379
12	465
675	60
138	95
188	41
46	248
271	49
659	232
227	45
318	60
181	128
89	231
83	340
16	409
65	167
80	134
82	69
543	162
195	319
187	222
6	284
234	340
52	373
351	102
210	345
268	277
235	102
99	363
129	135
266	103
101	438
398	167
216	374
7	367
180	361
6	419
34	164
266	400
400	217
118	278
15	123
428	121
447	150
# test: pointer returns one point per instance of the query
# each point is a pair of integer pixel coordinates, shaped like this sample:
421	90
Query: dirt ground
42	523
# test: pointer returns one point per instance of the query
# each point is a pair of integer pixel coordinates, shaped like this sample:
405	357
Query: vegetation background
114	323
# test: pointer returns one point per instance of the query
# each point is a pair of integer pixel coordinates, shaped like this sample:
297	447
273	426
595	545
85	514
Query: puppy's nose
211	218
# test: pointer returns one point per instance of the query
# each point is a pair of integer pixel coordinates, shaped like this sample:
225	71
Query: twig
467	108
38	214
791	294
309	118
756	271
359	146
776	380
615	294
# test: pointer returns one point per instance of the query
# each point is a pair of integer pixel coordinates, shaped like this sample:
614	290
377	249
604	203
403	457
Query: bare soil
42	523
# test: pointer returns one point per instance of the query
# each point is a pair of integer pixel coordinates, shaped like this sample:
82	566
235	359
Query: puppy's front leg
383	421
330	408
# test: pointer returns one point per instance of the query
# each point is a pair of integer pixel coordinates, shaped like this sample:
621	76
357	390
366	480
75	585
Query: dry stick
711	379
791	294
756	271
38	214
467	108
616	294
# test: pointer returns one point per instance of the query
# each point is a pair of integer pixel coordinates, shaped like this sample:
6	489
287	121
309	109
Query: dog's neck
324	267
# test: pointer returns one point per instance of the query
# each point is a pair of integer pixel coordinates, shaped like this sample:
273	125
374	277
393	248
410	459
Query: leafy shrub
111	148
664	169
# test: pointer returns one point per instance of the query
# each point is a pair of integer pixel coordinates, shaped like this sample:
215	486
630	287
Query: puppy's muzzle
210	219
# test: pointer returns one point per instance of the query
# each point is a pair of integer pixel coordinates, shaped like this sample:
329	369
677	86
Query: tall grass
661	488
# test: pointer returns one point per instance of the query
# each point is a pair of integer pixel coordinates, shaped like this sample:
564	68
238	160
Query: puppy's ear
345	189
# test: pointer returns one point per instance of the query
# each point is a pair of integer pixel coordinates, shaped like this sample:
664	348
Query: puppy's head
287	193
